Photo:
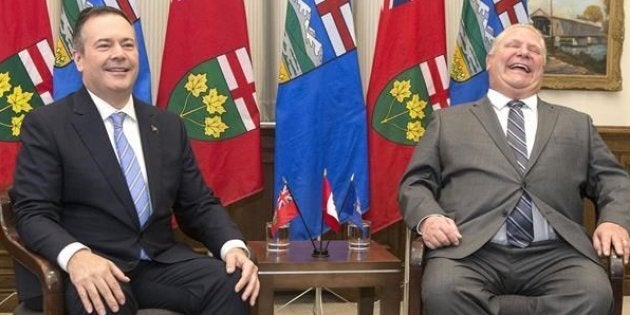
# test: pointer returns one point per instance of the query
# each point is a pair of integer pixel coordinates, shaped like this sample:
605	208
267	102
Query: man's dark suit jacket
463	168
69	187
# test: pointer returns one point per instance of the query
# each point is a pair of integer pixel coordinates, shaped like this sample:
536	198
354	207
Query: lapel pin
154	128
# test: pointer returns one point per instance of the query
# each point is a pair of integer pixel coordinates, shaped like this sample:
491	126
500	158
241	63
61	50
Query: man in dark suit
97	177
496	189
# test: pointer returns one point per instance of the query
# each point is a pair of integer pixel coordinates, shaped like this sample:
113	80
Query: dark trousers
197	286
557	278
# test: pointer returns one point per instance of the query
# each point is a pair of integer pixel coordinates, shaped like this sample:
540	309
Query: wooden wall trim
618	140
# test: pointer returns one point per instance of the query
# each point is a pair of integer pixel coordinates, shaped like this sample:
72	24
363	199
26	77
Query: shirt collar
106	110
499	101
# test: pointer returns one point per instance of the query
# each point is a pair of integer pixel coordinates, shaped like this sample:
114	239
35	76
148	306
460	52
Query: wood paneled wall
250	214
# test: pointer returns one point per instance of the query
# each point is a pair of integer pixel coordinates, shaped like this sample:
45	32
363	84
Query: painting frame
611	80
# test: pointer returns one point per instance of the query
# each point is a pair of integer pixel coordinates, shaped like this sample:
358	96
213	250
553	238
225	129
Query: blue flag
320	110
66	78
482	21
351	210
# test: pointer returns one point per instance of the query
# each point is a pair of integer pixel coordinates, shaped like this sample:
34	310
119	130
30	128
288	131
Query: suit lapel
150	137
90	128
547	118
488	118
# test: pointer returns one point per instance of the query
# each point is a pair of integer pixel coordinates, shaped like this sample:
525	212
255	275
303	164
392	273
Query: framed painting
584	41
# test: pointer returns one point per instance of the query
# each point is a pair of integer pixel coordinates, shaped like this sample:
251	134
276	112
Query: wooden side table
297	269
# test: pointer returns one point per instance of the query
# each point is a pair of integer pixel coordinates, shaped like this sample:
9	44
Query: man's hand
607	234
439	231
237	258
95	279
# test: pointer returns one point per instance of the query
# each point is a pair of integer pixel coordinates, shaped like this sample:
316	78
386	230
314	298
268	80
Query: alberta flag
409	81
482	21
351	208
26	61
66	77
207	79
320	111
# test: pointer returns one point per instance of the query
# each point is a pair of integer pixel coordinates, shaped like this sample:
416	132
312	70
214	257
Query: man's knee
598	295
439	287
221	297
586	292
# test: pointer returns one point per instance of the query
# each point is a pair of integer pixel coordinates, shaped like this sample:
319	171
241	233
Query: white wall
265	21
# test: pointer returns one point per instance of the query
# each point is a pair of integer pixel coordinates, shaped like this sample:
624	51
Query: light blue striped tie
519	224
131	169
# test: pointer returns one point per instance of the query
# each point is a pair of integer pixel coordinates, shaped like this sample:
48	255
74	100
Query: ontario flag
481	22
26	61
207	79
67	78
320	111
286	209
409	81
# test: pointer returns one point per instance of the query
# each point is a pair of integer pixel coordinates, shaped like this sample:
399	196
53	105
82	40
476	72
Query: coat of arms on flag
25	83
67	78
405	104
473	41
216	99
481	22
301	51
26	61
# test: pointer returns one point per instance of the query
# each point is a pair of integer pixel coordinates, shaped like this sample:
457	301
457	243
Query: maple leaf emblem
215	126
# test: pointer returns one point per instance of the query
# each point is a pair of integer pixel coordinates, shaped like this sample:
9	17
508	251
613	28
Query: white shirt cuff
67	252
233	244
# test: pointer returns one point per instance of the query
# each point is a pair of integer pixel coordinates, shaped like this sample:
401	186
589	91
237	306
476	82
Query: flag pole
310	235
321	252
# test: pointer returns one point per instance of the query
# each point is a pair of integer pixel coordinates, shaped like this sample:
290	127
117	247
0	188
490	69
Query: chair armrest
417	251
616	270
416	256
49	275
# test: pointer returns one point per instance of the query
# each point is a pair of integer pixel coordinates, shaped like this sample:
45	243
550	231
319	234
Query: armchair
49	275
510	304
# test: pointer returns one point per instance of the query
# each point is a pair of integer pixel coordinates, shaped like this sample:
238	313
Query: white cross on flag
511	12
237	71
38	62
435	74
337	18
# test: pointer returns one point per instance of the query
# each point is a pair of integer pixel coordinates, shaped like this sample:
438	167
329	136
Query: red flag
26	61
409	81
286	209
328	206
207	79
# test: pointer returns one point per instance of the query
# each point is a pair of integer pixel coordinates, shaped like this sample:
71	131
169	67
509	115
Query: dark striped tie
519	224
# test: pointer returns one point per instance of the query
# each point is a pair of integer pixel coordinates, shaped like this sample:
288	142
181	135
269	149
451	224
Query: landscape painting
583	39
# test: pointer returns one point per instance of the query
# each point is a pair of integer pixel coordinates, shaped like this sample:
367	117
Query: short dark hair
87	14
